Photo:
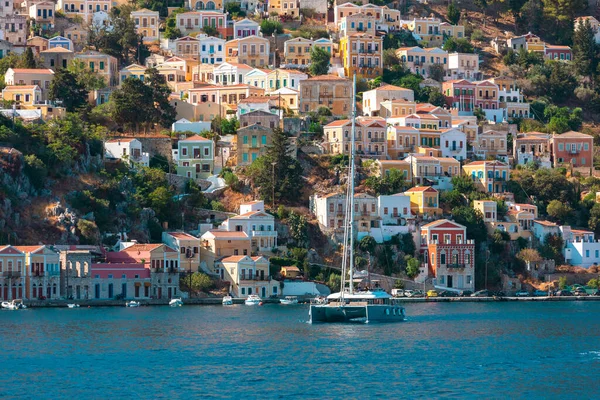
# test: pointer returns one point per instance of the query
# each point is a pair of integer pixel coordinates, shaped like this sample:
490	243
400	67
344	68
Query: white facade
256	223
245	28
126	149
463	66
212	49
392	209
372	98
101	19
230	73
453	143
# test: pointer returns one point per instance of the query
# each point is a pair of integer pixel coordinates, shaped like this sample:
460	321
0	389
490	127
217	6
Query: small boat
175	302
73	305
227	301
132	303
289	300
13	305
253	300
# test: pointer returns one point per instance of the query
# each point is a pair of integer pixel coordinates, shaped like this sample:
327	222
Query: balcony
456	149
11	274
37	273
367	51
264	233
378	140
254	278
455	265
573	151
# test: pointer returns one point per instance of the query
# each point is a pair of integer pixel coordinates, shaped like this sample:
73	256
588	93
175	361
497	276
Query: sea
496	350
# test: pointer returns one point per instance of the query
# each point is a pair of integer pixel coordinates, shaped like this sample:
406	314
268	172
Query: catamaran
349	305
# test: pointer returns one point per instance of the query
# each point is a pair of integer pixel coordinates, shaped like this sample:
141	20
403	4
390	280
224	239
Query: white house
101	19
230	73
248	275
581	248
256	223
126	150
372	98
245	28
453	143
257	77
212	49
184	125
463	66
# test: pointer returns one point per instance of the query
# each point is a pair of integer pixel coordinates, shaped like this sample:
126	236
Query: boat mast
351	186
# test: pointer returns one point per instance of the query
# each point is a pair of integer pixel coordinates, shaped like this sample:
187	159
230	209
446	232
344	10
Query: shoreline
212	301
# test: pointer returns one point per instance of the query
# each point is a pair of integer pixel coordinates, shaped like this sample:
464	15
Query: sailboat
348	305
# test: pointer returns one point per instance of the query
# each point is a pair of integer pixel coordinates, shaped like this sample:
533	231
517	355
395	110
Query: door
124	290
78	290
97	291
450	281
110	291
264	292
160	293
137	291
169	292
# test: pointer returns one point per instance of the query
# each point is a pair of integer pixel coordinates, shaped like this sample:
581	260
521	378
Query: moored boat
132	303
253	300
289	300
349	305
227	300
73	305
176	302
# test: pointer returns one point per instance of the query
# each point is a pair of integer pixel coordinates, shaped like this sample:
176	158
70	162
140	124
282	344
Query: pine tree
133	105
584	50
64	87
319	61
279	168
28	61
453	13
163	112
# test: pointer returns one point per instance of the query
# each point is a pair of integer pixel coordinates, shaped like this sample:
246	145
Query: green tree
594	221
279	168
210	30
463	184
436	98
367	244
584	49
408	244
133	104
437	72
64	87
298	229
200	283
27	60
235	10
87	78
268	27
171	30
412	267
163	113
473	220
562	282
561	14
319	61
453	13
461	45
88	231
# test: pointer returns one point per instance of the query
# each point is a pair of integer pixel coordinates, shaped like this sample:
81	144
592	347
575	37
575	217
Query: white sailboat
349	305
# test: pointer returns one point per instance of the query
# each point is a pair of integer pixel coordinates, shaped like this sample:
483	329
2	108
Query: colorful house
195	157
488	176
424	200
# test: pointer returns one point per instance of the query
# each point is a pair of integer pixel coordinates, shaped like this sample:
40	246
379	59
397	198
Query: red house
459	94
572	148
449	255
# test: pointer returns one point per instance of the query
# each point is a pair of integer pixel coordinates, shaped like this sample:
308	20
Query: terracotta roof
573	134
256	99
9	250
224	234
120	140
196	138
581	231
421	189
29	249
182	235
33	71
441	222
57	49
339	122
146	247
327	78
545	223
18	87
492	163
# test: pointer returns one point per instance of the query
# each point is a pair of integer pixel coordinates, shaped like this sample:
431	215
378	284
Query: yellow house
488	176
296	52
385	166
361	53
22	95
401	140
357	23
217	243
184	64
147	23
285	7
252	50
247	275
290	272
289	97
104	65
134	70
424	200
77	34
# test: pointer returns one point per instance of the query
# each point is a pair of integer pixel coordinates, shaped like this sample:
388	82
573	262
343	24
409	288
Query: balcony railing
264	233
367	51
255	278
11	274
378	140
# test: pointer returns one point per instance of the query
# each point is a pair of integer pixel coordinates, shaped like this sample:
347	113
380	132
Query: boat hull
350	313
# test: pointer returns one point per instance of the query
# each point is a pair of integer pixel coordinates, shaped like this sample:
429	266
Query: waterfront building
218	243
41	271
13	273
256	223
247	275
188	248
449	255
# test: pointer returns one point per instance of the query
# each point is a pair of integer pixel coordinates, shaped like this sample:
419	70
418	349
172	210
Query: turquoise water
444	350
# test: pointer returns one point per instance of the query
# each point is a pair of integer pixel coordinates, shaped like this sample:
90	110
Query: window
110	276
469	280
124	276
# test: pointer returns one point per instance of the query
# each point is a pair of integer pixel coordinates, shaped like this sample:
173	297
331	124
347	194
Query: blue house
60	41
